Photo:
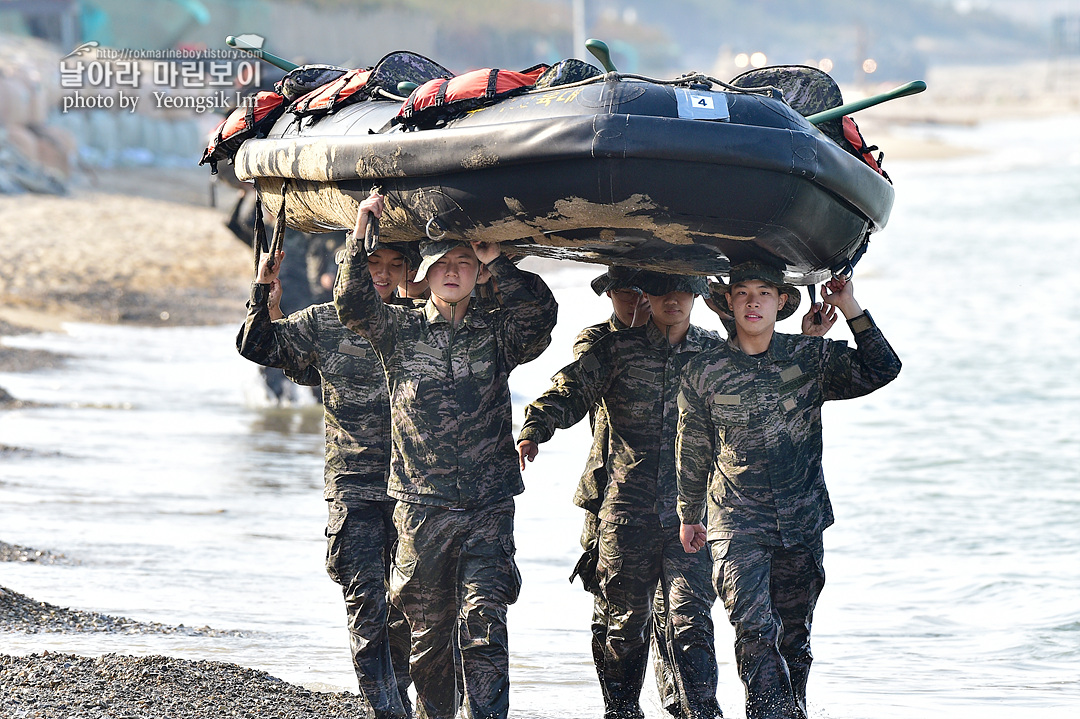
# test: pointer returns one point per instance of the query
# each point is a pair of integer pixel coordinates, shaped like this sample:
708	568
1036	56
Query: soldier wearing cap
634	374
453	467
311	345
749	452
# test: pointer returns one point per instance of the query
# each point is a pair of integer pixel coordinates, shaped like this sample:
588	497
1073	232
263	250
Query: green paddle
599	49
240	44
912	88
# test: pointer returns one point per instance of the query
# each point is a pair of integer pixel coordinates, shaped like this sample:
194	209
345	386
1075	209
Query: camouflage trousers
633	561
770	593
454	575
359	537
666	684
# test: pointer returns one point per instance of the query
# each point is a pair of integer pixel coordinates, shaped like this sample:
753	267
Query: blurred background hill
658	37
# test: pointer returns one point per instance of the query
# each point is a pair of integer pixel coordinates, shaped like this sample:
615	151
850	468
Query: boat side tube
806	154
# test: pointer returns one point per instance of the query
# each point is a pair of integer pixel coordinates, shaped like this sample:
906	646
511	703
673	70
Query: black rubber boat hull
592	184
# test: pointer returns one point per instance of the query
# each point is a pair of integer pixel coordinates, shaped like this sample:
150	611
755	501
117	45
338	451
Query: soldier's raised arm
576	389
358	304
287	344
529	310
871	365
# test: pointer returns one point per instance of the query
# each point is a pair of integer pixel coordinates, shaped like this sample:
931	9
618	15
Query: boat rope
811	289
278	242
371	232
687	79
258	240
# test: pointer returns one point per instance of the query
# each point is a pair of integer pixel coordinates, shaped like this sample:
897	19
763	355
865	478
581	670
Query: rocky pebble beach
68	686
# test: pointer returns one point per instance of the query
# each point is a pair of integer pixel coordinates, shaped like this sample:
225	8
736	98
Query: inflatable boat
688	175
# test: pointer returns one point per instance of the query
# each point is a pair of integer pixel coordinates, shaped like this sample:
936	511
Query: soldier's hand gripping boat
688	175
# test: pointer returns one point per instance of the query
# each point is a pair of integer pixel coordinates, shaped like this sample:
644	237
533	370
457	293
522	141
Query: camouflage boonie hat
411	250
616	278
765	273
431	252
398	247
566	72
659	284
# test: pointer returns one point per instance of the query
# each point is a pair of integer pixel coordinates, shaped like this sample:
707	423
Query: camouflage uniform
749	446
359	530
634	374
589	494
454	467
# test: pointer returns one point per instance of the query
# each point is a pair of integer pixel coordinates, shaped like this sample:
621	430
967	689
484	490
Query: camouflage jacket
635	375
590	489
355	401
749	441
453	443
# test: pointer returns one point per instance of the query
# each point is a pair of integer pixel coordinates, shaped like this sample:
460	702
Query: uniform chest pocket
348	364
729	410
792	379
484	359
797	389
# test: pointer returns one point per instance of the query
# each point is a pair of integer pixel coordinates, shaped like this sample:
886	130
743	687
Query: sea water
179	495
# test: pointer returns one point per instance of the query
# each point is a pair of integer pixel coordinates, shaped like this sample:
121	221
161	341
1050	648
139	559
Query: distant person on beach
360	531
305	272
453	466
748	458
633	374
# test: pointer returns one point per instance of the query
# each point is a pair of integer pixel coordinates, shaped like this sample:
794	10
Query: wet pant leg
797	579
663	663
586	569
599	628
423	584
396	625
689	634
744	578
490	582
357	543
628	572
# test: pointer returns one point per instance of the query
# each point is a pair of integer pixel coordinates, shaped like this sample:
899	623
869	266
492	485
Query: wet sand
101	256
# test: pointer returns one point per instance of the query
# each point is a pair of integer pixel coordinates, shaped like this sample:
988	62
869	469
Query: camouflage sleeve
359	306
288	344
307	377
576	389
694	449
587	337
856	372
528	315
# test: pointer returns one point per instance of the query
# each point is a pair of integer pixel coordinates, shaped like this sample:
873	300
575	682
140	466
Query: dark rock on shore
15	359
62	686
19	613
18	553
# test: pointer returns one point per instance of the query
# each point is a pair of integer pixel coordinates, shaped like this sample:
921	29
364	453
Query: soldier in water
453	465
634	374
359	530
749	464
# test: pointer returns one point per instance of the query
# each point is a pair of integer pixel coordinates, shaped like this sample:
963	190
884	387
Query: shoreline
54	685
50	685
